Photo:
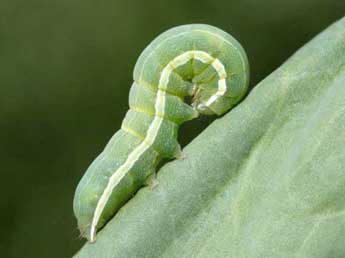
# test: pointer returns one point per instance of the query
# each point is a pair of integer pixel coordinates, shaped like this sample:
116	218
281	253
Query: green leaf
266	180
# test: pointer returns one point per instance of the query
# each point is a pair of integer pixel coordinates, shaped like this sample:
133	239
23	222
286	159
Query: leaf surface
265	180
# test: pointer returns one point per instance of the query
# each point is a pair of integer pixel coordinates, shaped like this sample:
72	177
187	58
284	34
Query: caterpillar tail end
92	238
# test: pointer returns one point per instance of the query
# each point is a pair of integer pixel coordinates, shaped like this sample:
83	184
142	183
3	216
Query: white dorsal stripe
154	127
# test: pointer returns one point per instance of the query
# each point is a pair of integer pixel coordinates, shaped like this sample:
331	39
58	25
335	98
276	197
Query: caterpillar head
207	103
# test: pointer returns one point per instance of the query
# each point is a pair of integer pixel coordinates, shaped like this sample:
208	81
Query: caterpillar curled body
199	61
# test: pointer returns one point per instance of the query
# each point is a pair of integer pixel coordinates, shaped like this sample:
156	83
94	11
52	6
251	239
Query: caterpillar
187	71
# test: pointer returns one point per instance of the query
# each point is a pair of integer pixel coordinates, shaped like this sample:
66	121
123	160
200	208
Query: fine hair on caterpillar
187	71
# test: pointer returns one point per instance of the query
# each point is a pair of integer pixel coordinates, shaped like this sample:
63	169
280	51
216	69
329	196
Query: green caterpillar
198	61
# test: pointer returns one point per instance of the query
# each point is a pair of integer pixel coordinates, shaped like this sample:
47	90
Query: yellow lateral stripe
154	127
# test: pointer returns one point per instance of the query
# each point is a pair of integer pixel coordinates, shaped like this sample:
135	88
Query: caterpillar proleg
198	61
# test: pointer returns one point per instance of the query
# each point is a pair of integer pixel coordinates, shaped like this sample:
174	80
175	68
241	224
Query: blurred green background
65	71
